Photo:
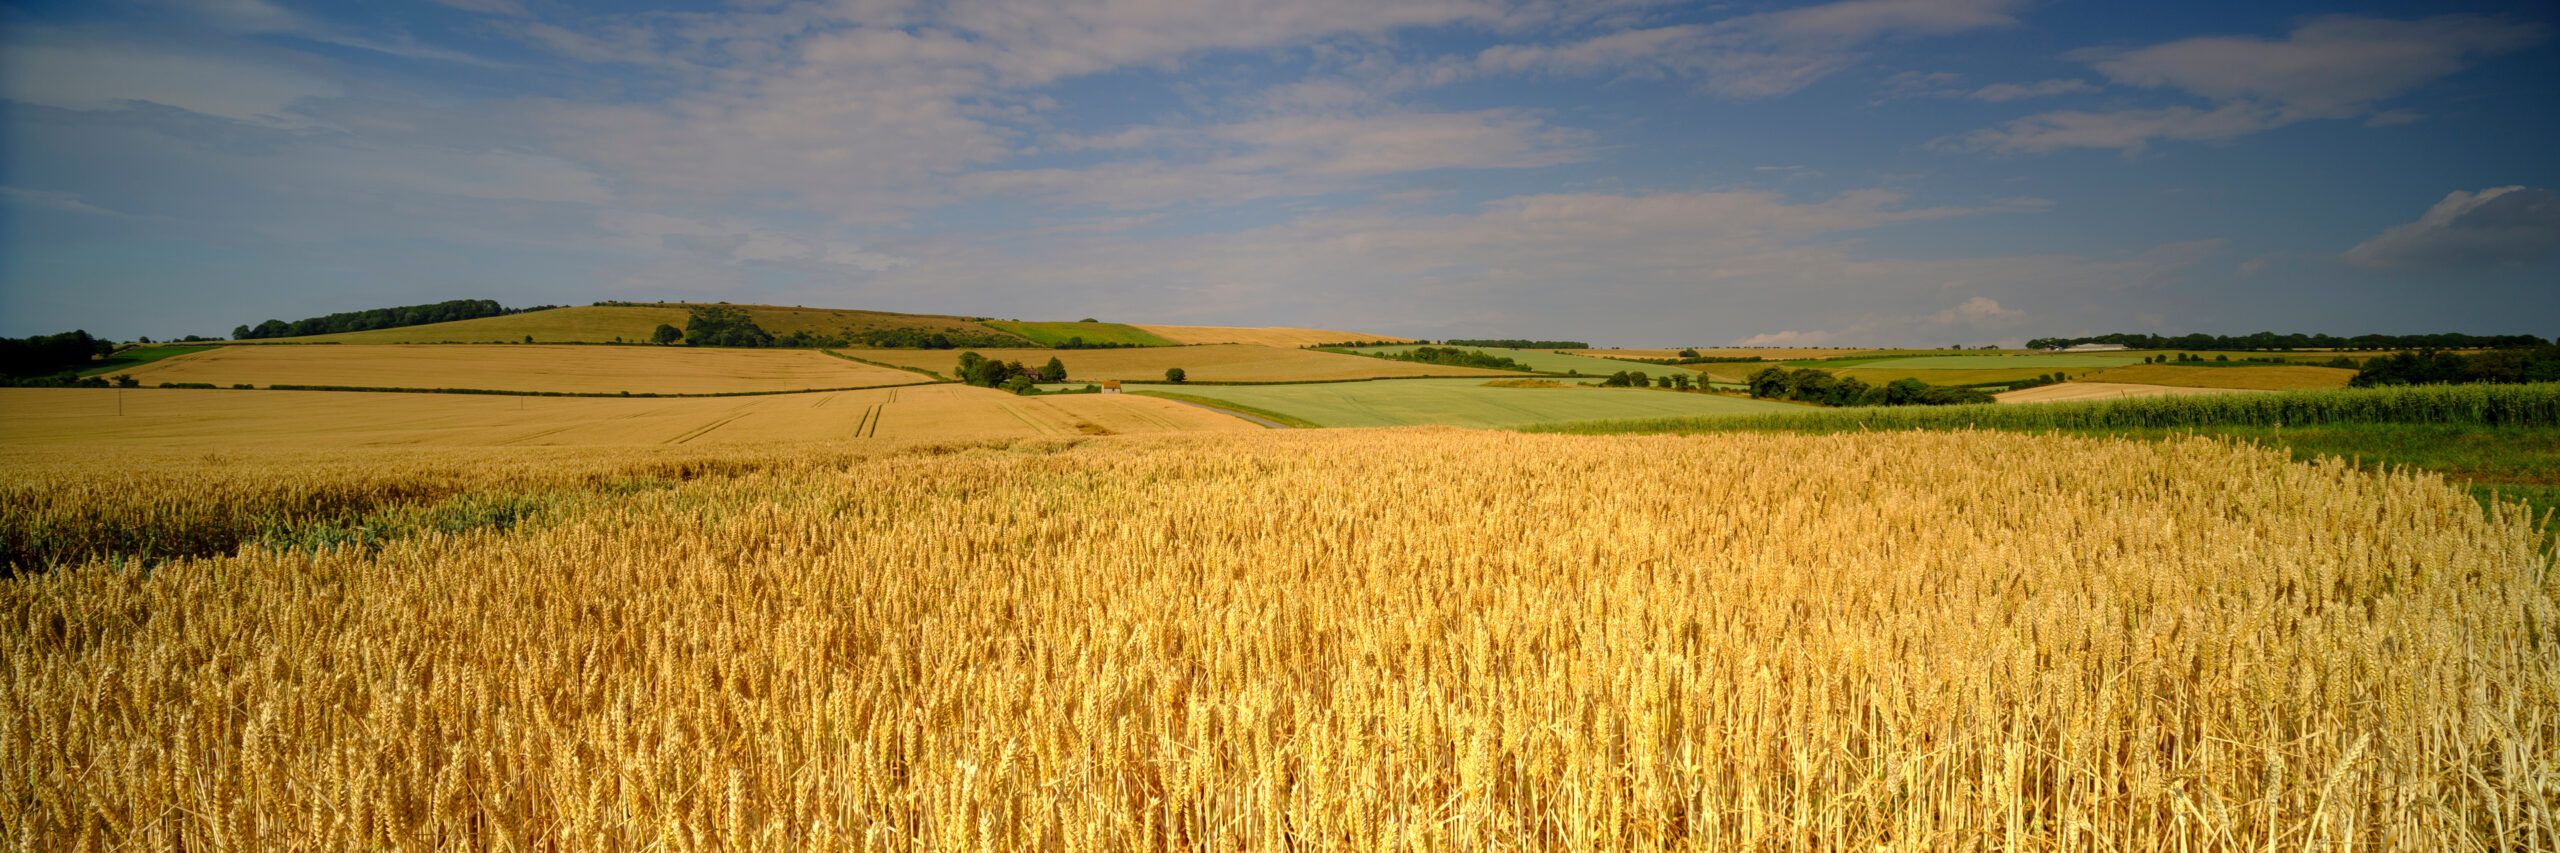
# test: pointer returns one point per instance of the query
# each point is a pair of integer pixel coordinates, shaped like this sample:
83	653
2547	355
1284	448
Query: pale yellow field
1269	336
521	367
226	418
1212	363
2269	378
1372	640
2071	391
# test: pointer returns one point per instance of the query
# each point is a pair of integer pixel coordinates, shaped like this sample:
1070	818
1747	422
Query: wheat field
2268	378
1413	639
69	419
538	368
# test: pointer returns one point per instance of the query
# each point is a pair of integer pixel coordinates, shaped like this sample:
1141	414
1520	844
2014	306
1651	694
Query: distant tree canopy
914	338
2429	367
1455	357
666	334
380	318
2273	341
723	326
1517	343
46	355
1815	386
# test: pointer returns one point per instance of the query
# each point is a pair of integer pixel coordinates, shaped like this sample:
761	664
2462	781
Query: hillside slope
607	323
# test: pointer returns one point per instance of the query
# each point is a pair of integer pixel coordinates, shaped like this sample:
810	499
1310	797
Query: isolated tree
1054	371
1174	374
1680	381
1688	353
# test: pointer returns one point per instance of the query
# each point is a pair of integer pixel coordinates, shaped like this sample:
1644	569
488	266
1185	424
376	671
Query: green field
1545	361
1466	402
132	357
1053	334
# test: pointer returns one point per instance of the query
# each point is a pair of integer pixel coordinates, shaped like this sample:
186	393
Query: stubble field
1386	639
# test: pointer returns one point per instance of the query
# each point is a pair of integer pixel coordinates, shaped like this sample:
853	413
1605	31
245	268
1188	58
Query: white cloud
2327	68
2496	228
1754	56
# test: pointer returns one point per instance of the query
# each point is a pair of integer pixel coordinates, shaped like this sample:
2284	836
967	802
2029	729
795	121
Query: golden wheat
1376	640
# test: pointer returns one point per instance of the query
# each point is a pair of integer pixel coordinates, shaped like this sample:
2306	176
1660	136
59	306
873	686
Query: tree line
1816	386
1011	376
50	357
2433	367
2273	341
1516	343
1455	357
380	318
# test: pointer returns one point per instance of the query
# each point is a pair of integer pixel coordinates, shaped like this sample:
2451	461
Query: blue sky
1867	172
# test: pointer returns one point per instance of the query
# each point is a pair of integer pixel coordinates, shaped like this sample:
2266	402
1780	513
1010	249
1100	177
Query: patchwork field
2268	378
525	367
1467	402
1547	360
1269	336
2076	391
225	418
1874	376
633	323
1054	334
1368	640
1206	363
2000	362
1770	353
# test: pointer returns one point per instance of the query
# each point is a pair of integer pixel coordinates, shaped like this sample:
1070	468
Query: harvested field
525	367
1269	336
1469	402
2001	362
1770	353
2267	378
1371	640
225	418
1207	363
2071	391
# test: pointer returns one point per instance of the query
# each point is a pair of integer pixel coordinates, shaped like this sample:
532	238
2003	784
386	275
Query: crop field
2000	362
1053	334
1770	353
2078	391
1206	363
525	367
1269	336
2268	378
32	417
634	323
1468	402
1549	361
1873	376
1388	639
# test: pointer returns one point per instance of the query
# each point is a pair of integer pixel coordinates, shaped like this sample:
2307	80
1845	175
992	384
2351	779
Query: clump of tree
50	357
2433	367
1356	344
1455	357
666	334
1517	343
1078	342
723	326
1809	385
2054	378
381	318
978	370
2273	341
